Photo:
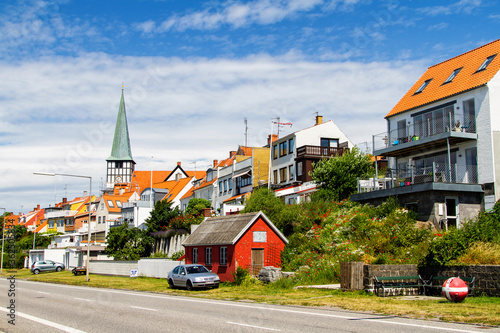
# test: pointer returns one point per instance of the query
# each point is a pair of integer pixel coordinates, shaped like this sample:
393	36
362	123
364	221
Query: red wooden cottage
247	240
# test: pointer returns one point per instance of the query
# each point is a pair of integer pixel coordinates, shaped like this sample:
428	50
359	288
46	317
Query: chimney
232	153
216	162
84	194
271	138
179	164
65	200
319	120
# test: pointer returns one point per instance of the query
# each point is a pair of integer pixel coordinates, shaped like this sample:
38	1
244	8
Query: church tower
120	164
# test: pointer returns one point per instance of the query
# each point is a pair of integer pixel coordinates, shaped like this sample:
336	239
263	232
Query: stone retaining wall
487	276
370	271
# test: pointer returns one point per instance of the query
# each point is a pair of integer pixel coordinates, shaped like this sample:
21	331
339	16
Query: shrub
239	275
480	253
177	255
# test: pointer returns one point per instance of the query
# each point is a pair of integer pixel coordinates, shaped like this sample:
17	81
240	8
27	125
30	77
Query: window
275	151
290	172
469	125
275	176
260	236
220	187
331	143
118	203
422	87
283	148
452	75
99	219
195	255
102	205
110	204
230	181
225	185
402	130
283	175
208	256
290	145
118	165
223	255
299	169
486	63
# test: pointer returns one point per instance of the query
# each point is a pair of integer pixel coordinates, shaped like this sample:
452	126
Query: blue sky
193	70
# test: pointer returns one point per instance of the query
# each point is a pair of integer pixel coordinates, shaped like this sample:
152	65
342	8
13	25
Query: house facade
293	156
235	181
224	243
443	142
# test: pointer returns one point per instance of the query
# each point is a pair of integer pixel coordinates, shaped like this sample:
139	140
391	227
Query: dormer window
486	63
422	87
452	75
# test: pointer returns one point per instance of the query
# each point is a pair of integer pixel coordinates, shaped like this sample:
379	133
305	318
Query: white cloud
238	14
58	114
462	6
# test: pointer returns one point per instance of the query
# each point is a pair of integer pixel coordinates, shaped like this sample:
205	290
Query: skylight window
486	63
452	75
422	87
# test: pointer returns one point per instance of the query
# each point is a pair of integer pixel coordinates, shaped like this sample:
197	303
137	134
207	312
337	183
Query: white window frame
195	255
208	256
223	256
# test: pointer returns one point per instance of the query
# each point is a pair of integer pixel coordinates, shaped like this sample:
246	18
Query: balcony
437	173
420	135
317	152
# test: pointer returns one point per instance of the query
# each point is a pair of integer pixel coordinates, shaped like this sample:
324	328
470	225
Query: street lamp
3	236
90	209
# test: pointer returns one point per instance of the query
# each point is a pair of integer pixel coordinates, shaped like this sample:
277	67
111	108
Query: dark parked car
45	266
192	276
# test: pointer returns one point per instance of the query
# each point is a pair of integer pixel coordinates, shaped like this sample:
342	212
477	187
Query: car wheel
58	269
36	271
189	285
171	284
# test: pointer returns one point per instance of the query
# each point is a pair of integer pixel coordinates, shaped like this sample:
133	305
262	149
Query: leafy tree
196	206
337	177
161	216
126	243
264	200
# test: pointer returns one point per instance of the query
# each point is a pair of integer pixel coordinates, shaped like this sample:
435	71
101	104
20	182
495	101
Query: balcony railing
318	151
424	126
437	173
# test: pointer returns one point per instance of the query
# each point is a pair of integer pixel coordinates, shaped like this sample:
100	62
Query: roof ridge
462	54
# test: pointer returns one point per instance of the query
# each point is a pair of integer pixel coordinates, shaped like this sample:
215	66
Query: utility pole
246	130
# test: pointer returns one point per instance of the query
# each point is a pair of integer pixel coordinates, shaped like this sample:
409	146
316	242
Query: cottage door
257	261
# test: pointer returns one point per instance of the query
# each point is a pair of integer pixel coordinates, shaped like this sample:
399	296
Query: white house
292	158
443	141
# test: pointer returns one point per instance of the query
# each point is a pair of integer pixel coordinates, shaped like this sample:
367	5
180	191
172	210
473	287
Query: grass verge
475	310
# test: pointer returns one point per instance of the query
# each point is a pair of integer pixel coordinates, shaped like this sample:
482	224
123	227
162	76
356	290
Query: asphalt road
45	307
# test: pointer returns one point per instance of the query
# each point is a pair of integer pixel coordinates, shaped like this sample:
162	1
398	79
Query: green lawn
476	310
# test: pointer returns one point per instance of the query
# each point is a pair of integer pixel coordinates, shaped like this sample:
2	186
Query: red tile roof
468	78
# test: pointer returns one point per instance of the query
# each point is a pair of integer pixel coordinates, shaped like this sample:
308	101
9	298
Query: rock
270	274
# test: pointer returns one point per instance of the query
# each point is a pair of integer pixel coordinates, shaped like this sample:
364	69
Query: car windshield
196	269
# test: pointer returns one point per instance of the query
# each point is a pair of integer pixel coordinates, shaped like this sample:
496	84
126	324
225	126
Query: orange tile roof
143	178
466	79
123	198
41	226
174	187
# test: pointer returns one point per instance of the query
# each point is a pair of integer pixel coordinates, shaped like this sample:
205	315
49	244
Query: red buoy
455	290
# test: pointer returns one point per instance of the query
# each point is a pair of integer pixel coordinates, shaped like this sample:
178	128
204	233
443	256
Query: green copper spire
121	142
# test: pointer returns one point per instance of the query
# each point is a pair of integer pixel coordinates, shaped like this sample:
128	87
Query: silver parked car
45	266
192	276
